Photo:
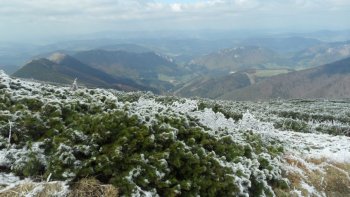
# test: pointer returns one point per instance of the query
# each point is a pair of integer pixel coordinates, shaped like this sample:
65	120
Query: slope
62	68
214	87
9	69
131	48
284	45
147	68
321	54
142	65
327	81
239	58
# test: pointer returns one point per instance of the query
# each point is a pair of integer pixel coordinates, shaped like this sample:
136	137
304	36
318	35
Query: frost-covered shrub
32	166
334	130
26	162
5	100
139	142
50	110
294	125
228	113
172	156
33	104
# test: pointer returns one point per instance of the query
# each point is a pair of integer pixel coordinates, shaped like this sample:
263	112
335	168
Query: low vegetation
102	142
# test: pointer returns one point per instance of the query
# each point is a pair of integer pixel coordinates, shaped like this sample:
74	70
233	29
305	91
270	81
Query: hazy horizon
52	20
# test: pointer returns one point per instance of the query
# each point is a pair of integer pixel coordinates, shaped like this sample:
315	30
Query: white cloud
93	15
134	8
176	7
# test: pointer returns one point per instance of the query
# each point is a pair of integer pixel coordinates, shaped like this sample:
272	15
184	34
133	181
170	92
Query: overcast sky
28	19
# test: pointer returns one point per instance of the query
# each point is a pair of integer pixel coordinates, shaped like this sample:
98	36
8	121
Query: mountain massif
283	45
61	68
254	68
214	87
291	53
148	68
321	54
238	58
135	65
327	81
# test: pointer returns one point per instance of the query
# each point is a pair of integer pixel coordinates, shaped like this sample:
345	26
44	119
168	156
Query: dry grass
284	193
18	191
337	182
92	188
39	189
328	178
84	188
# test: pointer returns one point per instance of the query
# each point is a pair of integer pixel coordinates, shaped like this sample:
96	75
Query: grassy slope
42	70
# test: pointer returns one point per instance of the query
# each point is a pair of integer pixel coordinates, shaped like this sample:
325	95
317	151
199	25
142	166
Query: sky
39	19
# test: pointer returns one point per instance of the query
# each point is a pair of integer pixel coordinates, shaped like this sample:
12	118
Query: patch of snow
310	145
4	79
8	179
35	191
310	189
214	121
138	192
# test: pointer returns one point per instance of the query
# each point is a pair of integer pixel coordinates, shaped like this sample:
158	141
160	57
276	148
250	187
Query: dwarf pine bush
142	143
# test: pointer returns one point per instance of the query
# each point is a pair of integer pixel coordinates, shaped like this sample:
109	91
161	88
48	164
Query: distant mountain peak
57	57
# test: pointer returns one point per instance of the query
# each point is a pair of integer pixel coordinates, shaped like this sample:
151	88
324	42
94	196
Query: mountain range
238	58
269	53
223	69
61	68
126	70
321	54
283	45
135	65
148	68
215	87
326	81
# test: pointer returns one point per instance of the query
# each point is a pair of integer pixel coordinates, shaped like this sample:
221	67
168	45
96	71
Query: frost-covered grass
148	145
307	116
318	177
310	131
